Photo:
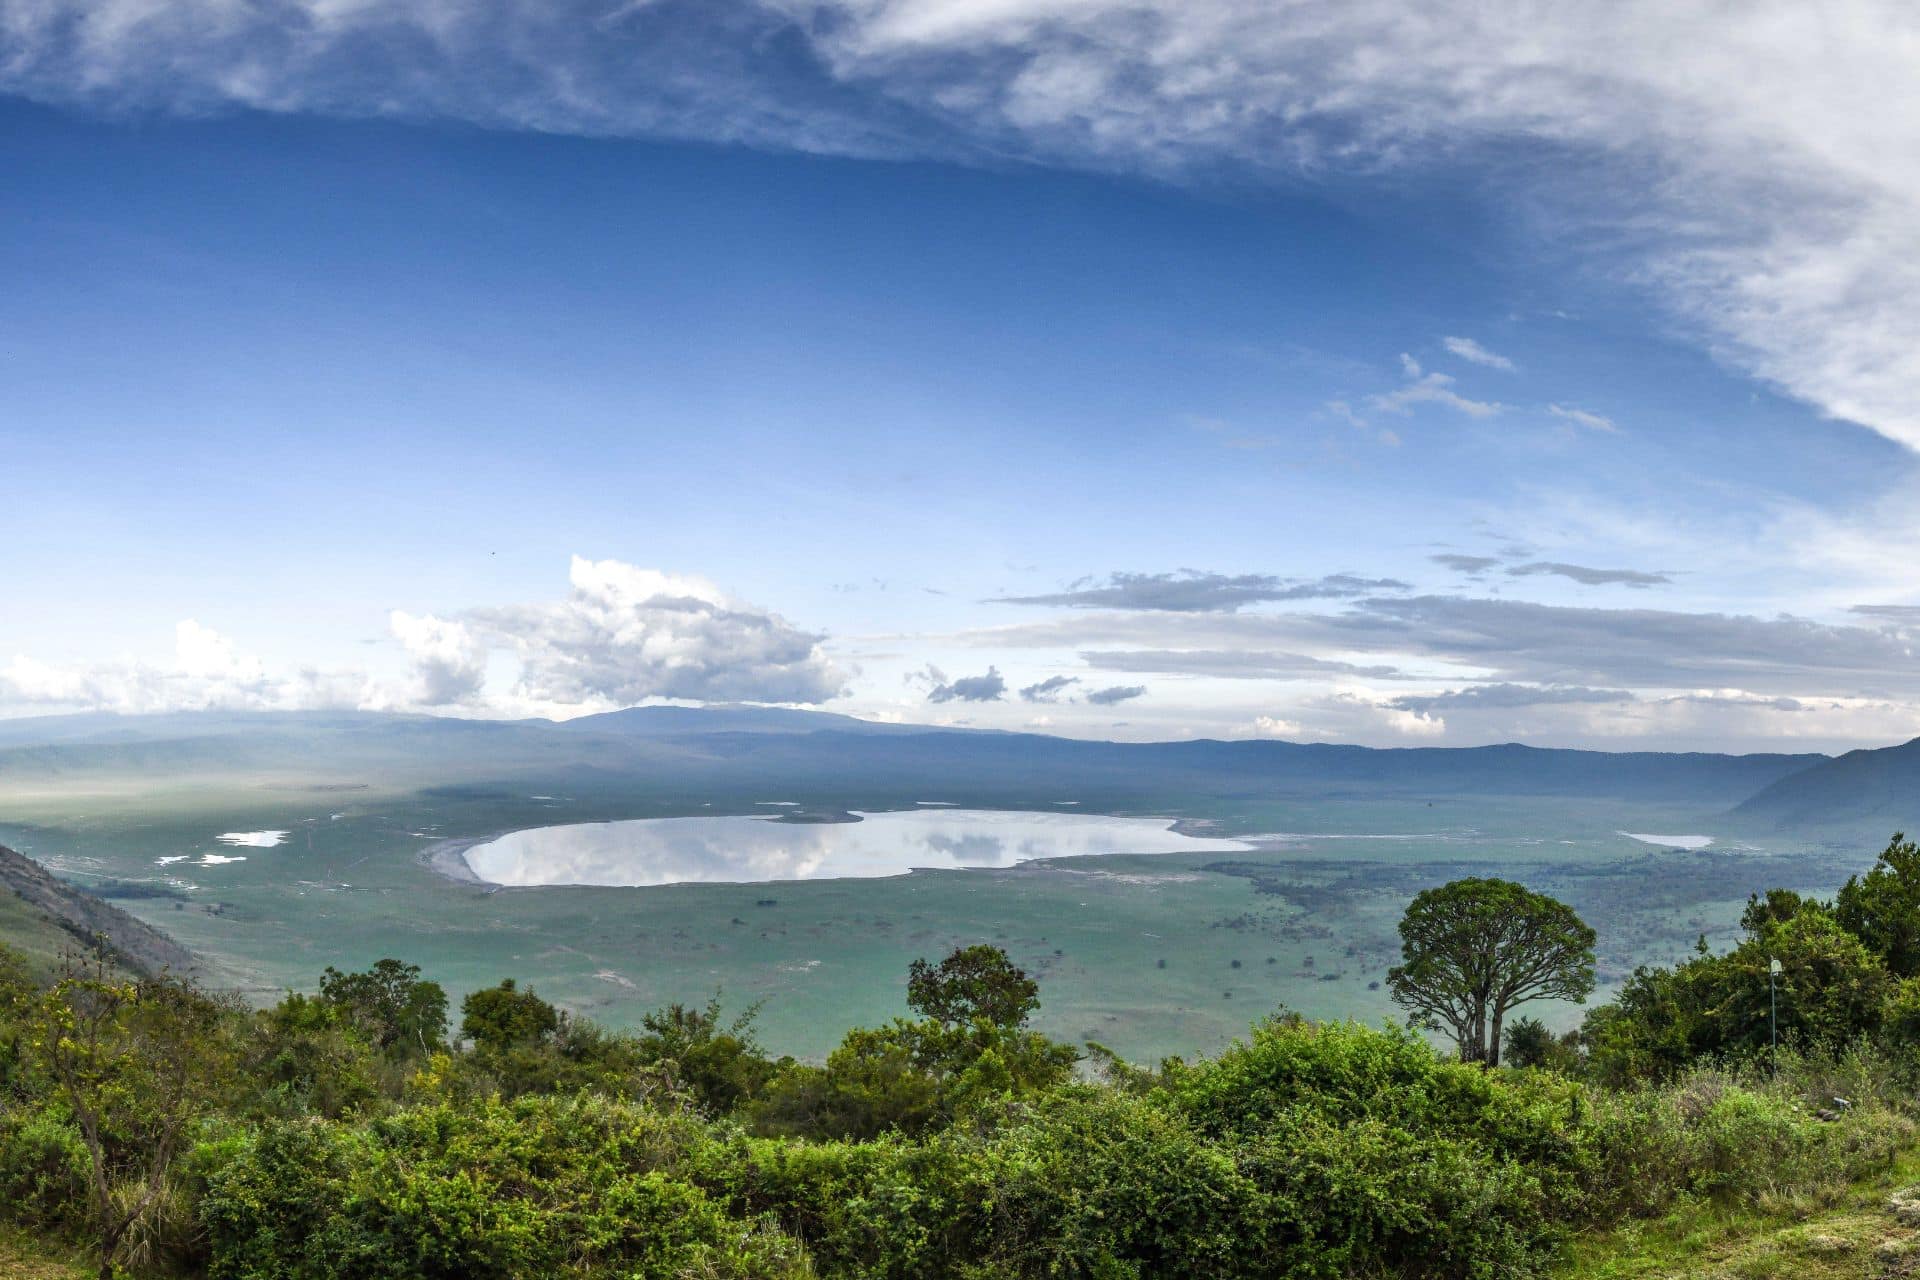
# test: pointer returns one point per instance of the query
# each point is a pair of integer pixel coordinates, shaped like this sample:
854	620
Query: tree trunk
1493	1050
109	1245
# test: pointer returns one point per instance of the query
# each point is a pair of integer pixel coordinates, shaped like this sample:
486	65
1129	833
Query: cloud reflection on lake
656	851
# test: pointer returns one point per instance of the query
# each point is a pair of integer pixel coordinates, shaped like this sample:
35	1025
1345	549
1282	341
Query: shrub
536	1188
43	1168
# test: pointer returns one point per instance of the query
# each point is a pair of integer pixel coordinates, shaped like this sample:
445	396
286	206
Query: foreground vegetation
370	1131
1866	1231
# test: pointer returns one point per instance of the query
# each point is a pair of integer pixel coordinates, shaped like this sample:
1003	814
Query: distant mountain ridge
689	748
1878	787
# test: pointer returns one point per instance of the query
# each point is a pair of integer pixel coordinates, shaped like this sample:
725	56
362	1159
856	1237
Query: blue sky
1208	377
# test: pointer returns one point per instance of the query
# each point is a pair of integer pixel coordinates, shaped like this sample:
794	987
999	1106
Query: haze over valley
665	854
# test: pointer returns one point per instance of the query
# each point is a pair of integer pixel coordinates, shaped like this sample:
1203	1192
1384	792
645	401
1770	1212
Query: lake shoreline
448	858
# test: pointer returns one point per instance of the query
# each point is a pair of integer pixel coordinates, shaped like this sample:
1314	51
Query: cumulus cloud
989	687
448	661
1194	591
1115	694
1589	576
206	672
625	634
1355	713
1469	350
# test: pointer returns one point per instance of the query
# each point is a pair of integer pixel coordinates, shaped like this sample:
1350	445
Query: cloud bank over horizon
623	635
1375	668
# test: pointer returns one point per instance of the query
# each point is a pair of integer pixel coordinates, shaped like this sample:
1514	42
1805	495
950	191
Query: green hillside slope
42	916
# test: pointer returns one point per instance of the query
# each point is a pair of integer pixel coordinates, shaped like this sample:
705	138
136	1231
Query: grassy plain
1150	955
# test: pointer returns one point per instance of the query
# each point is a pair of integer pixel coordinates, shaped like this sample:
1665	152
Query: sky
1363	372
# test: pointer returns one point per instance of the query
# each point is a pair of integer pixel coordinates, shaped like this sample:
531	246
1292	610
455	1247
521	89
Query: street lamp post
1773	1019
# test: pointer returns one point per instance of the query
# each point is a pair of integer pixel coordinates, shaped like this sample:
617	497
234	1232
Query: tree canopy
1476	948
399	1012
503	1016
1882	908
973	982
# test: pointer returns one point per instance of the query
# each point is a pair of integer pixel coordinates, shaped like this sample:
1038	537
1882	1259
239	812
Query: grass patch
1838	1233
23	1257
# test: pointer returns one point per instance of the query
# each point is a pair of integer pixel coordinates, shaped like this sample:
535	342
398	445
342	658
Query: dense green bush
958	1146
43	1167
538	1187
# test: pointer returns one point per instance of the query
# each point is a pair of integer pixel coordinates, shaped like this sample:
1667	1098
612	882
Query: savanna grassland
1169	953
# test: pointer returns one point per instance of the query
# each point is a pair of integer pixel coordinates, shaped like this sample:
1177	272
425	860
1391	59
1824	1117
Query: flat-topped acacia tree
1474	949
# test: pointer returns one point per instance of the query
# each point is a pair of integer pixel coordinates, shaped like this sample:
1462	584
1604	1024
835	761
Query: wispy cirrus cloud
1764	183
1589	576
1482	639
1195	591
1583	418
1429	386
1465	563
1505	697
1232	664
1472	352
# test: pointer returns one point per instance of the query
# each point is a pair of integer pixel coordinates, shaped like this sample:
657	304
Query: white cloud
1468	349
1758	166
990	686
1430	388
1582	418
1760	163
1276	727
448	661
203	653
1370	709
206	672
625	634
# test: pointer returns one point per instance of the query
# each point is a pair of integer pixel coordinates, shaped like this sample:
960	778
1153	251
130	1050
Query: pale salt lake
658	851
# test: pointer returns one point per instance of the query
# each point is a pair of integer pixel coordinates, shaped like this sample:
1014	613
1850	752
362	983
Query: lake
656	851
